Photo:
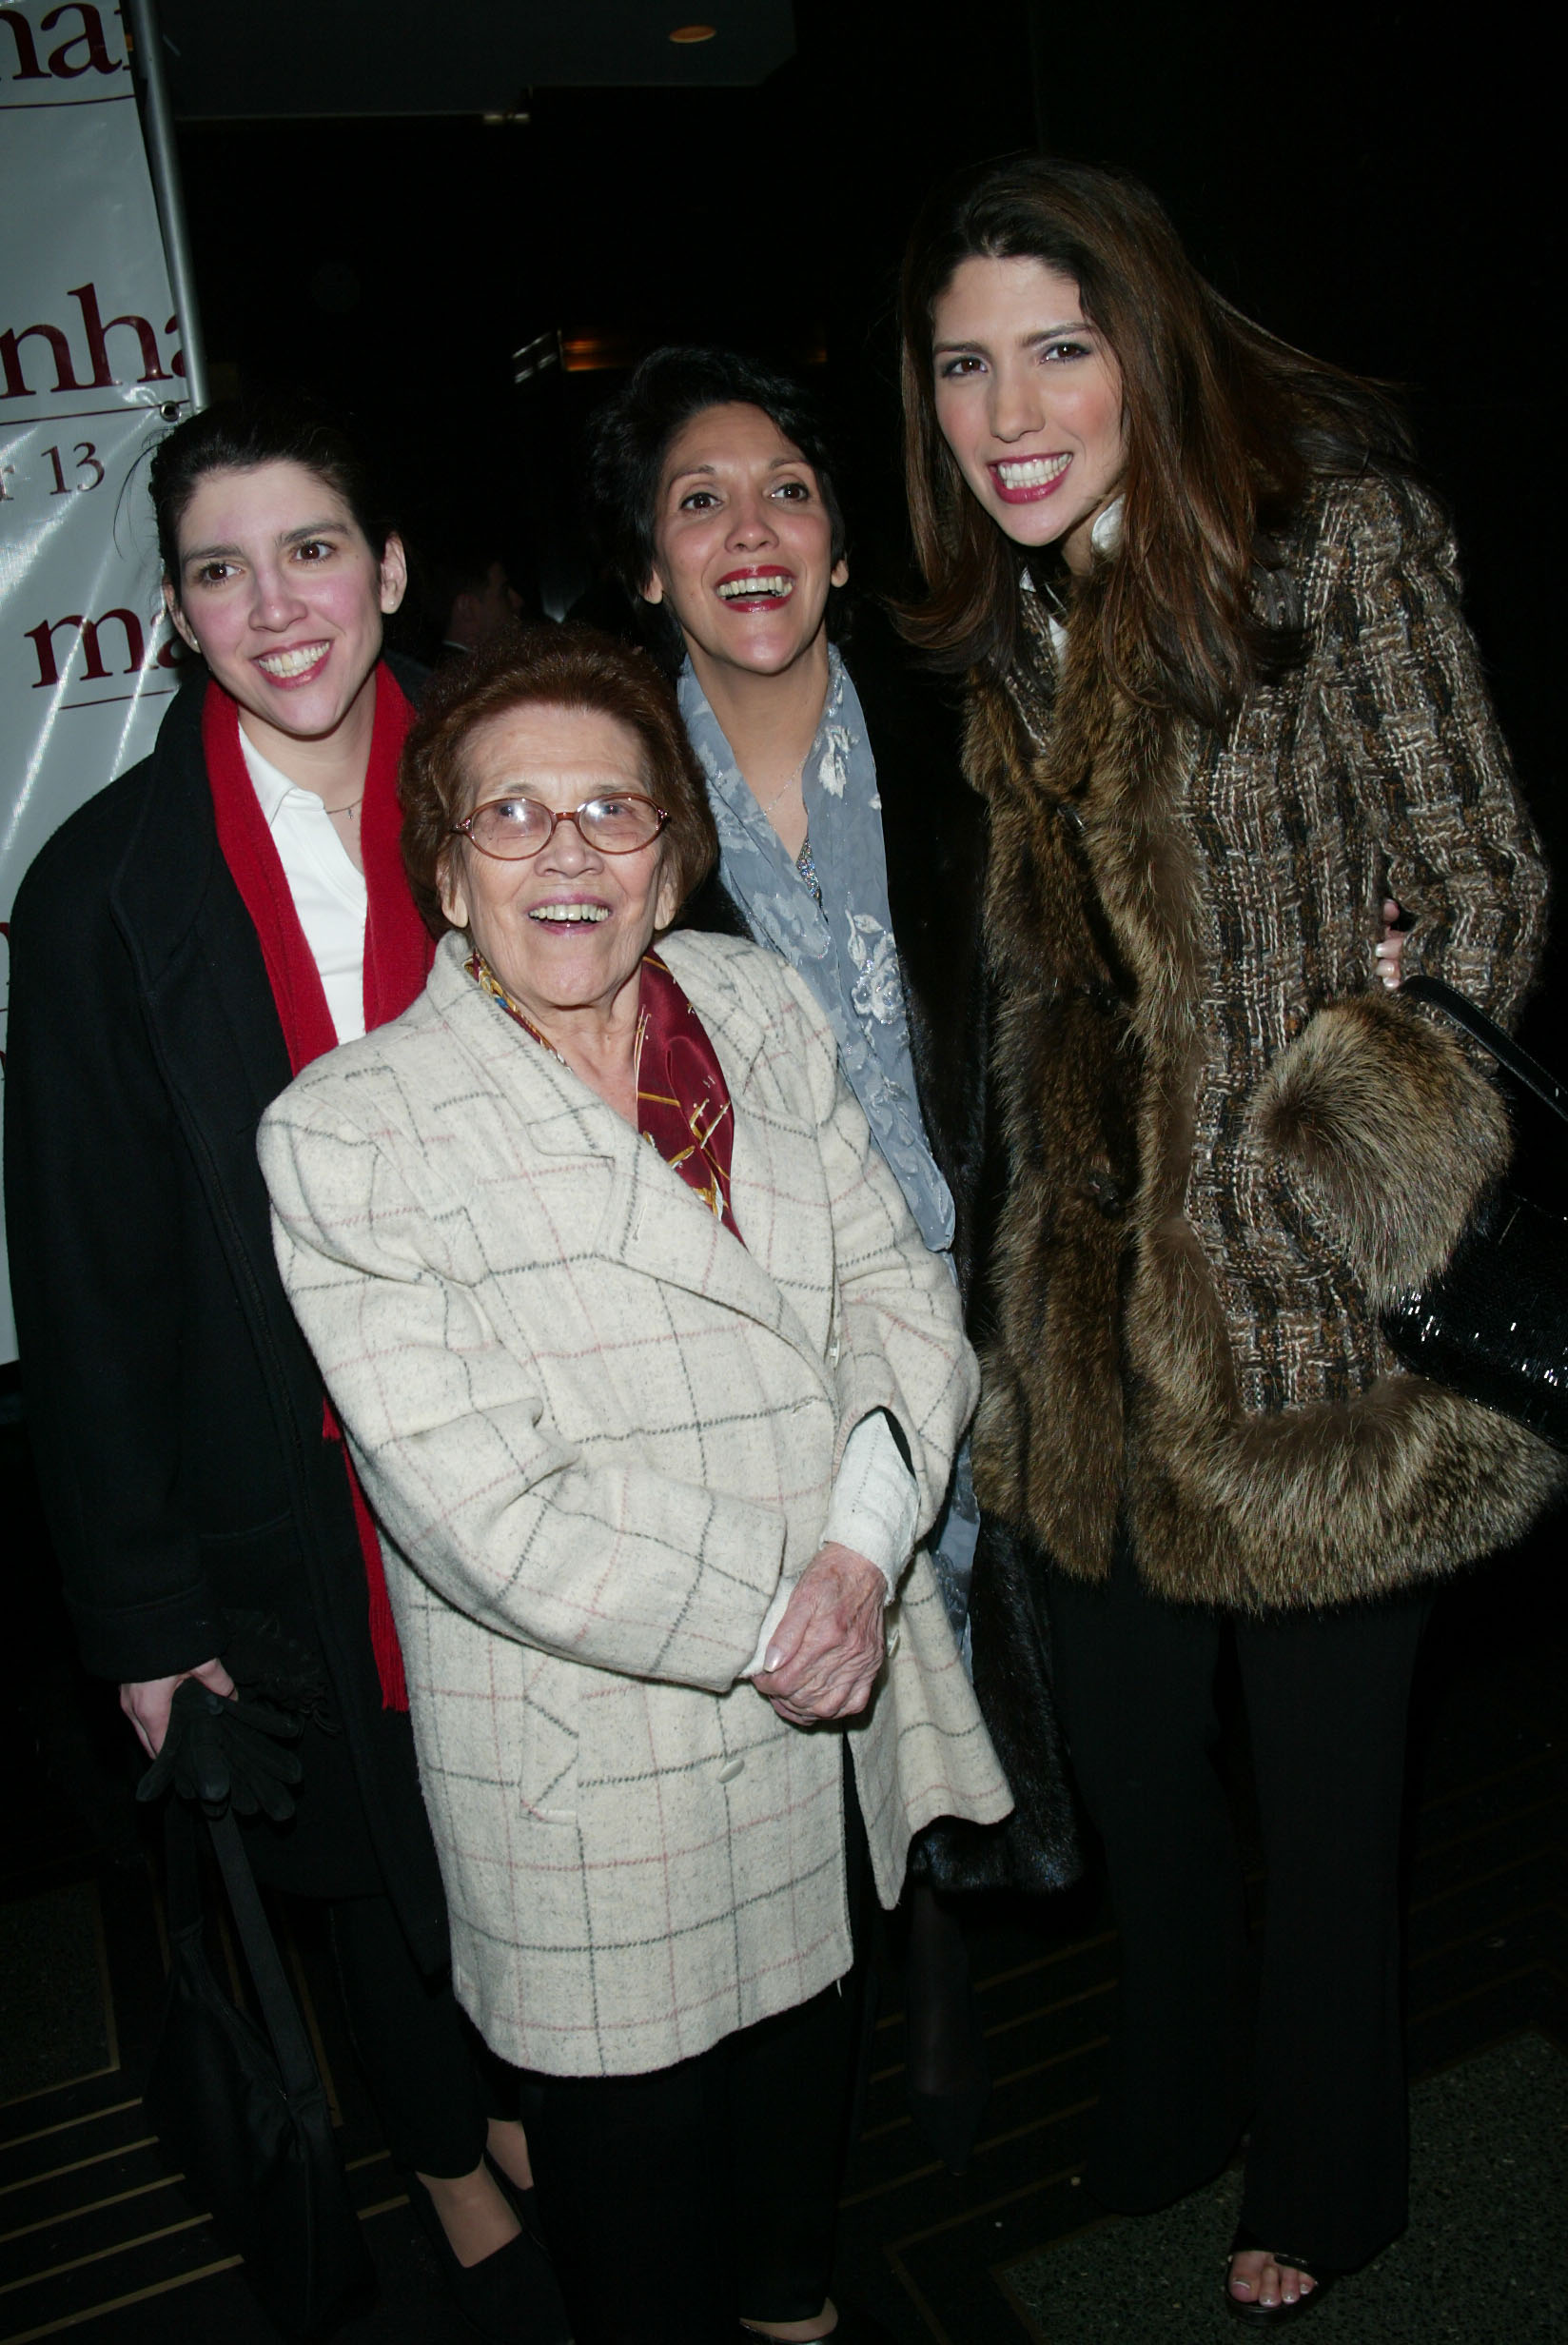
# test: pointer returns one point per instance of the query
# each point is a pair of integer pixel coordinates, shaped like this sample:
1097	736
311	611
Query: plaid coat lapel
647	1216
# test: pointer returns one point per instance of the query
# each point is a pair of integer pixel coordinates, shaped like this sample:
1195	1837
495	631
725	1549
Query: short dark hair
631	436
550	667
240	435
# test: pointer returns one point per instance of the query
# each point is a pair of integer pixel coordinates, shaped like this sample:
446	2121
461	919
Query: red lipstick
767	597
1028	492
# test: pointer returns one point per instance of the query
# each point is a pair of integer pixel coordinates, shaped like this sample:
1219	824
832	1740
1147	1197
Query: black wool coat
935	835
174	1409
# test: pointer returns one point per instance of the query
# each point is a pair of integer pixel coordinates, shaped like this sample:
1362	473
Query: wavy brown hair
550	667
1227	428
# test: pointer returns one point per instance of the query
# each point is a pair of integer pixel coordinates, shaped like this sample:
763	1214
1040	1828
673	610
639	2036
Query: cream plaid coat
596	1431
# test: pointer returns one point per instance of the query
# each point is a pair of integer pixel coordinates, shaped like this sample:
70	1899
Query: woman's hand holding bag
147	1702
226	1752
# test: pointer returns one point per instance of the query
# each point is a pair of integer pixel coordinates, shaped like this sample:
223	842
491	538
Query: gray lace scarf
843	946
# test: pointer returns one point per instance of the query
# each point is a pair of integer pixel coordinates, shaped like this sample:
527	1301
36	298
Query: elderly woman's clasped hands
823	1658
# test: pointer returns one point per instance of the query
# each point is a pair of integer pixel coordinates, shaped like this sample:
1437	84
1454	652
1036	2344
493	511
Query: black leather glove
269	1665
224	1753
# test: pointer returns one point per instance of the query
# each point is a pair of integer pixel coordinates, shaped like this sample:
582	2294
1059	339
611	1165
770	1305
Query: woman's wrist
875	1509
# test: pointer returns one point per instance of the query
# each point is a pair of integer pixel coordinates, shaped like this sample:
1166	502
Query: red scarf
683	1101
397	953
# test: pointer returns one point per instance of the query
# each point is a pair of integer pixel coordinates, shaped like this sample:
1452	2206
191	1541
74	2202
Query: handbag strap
182	1898
280	2012
1490	1035
182	1879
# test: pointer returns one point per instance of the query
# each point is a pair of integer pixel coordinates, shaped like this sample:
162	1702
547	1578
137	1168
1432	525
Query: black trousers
677	2201
412	2042
1317	2064
426	2069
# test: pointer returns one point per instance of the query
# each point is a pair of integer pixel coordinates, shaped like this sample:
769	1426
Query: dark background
1378	185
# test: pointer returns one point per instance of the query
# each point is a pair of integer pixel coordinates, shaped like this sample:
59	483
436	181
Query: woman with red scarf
192	939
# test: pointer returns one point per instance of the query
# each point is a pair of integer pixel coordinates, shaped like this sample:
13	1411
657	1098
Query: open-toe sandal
1274	2315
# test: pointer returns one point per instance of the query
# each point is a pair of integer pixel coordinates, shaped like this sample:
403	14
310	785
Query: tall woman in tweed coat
1222	703
654	1387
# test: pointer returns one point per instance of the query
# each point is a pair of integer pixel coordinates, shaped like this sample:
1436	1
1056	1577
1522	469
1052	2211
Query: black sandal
1246	2243
508	2295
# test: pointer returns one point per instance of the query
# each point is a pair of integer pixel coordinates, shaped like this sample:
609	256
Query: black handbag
242	2110
1493	1324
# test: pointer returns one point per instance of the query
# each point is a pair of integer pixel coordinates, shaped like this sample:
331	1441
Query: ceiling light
684	35
533	359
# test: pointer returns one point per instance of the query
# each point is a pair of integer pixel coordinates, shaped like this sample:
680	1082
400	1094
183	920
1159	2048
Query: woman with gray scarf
849	843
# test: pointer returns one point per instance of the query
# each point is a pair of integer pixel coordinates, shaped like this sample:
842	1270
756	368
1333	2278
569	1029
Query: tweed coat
1226	1145
596	1432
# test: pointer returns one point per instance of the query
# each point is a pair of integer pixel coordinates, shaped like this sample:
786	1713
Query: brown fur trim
1394	1130
1333	1505
1066	1061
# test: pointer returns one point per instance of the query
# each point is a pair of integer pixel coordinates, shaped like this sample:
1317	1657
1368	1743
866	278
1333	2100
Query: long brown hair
1226	429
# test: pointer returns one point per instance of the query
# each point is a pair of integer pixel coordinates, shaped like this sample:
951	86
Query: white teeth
1032	472
734	589
291	662
575	915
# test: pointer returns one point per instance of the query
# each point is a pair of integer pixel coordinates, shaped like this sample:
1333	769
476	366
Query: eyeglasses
514	828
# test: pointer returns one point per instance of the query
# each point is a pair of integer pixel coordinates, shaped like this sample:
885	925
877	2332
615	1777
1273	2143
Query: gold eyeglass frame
635	797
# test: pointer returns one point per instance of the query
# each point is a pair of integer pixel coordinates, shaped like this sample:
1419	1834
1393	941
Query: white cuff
876	1505
873	1510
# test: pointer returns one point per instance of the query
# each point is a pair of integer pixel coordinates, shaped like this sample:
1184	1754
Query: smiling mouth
287	667
757	586
1021	478
569	915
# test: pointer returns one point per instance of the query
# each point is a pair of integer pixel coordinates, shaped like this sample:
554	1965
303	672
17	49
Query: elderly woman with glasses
654	1386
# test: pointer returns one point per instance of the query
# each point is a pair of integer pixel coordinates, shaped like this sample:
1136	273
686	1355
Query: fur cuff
1393	1131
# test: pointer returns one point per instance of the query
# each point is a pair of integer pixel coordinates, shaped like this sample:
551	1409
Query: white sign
90	376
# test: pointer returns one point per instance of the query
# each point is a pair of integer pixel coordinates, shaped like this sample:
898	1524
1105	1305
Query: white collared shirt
329	894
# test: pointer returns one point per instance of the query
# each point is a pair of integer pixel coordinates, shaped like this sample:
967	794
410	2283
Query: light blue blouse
843	943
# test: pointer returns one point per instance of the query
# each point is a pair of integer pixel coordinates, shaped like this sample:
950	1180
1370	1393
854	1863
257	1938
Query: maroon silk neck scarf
683	1101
